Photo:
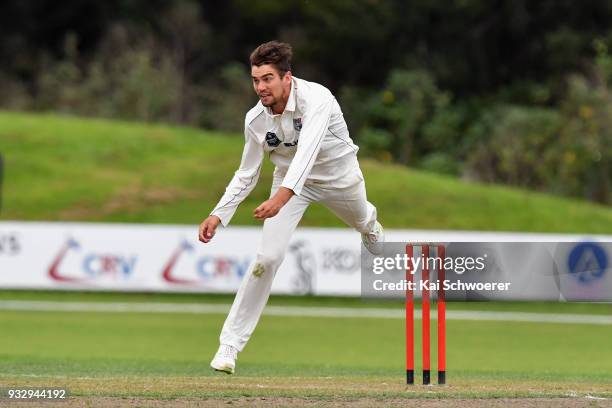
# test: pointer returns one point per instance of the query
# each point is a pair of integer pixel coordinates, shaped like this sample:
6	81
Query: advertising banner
545	271
169	258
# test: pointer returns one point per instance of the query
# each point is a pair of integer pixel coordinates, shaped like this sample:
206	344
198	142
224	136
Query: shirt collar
291	102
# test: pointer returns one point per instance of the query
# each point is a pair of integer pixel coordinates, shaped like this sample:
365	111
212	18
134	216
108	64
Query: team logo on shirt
297	124
272	140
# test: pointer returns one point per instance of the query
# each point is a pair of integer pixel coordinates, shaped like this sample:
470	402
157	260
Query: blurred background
509	92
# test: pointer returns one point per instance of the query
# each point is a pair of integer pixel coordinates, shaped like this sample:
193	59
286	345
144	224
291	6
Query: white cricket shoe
225	359
374	239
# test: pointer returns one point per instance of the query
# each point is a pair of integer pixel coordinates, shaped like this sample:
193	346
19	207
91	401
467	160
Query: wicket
425	317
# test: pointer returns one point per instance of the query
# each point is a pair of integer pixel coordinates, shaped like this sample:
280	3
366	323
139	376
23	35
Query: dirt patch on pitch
227	391
103	402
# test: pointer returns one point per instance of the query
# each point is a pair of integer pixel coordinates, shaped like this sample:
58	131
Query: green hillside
73	169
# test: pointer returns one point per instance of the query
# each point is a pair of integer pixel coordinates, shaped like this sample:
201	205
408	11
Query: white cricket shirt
309	143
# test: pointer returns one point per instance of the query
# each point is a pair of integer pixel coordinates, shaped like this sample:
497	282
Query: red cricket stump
425	316
409	318
441	319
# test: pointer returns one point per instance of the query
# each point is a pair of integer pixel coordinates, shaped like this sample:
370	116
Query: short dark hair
274	53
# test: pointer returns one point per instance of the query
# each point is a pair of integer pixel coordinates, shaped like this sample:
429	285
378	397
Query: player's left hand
268	209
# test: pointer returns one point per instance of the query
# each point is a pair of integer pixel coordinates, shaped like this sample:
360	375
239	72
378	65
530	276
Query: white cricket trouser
349	204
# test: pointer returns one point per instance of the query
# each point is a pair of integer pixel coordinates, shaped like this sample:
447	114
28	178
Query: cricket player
300	125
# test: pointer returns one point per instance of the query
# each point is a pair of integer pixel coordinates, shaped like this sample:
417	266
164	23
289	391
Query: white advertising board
169	258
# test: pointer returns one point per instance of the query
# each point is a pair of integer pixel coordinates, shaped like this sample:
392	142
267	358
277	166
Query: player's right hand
208	228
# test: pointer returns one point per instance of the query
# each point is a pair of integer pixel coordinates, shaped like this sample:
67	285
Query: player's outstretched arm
240	186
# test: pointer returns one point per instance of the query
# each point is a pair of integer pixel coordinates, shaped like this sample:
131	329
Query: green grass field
104	358
65	168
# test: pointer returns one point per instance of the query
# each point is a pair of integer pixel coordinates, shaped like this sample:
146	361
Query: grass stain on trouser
258	270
